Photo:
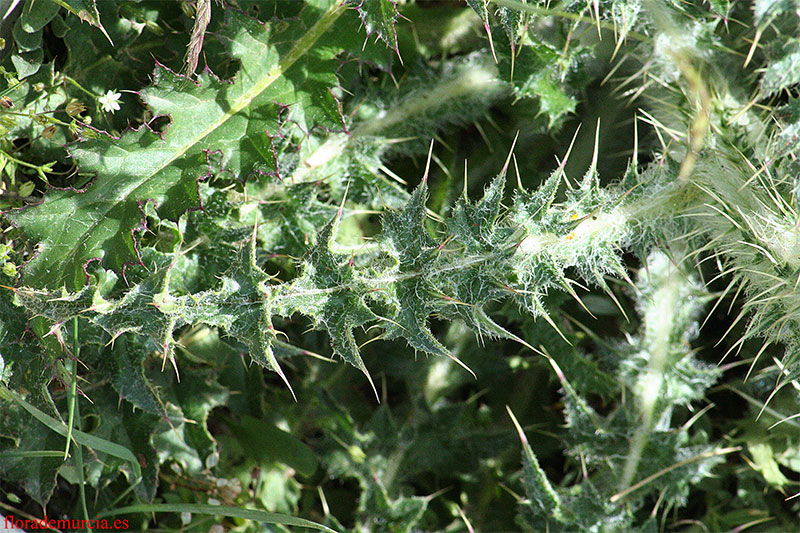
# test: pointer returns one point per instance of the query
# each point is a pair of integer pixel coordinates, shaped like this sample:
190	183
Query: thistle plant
611	285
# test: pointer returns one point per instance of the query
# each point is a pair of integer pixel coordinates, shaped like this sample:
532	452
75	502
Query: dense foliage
274	263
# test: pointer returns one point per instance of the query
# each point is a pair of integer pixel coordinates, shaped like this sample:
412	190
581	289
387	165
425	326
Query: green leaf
784	70
129	379
765	463
380	511
537	70
247	317
100	66
37	13
336	297
266	442
514	21
74	227
26	41
537	486
412	297
379	17
196	394
27	63
475	225
768	10
721	7
19	462
86	10
130	429
220	510
85	439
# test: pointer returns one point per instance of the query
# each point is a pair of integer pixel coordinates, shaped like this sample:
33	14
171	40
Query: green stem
645	208
79	86
474	81
51	120
77	412
72	399
652	381
23	163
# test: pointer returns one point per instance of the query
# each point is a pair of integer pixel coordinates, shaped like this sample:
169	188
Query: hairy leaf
235	118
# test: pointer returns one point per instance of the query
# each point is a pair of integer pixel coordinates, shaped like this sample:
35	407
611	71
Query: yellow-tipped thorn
279	371
465	179
513	55
344	198
549	320
516	170
577	298
619	306
491	43
371	384
596	4
521	433
428	163
510	154
596	146
463	365
752	49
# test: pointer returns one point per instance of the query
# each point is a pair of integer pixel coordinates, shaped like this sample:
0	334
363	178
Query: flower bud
10	270
26	189
75	108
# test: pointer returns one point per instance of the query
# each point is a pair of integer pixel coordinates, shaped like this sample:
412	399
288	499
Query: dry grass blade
201	20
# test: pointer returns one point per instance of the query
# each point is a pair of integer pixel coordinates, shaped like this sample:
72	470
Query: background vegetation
280	264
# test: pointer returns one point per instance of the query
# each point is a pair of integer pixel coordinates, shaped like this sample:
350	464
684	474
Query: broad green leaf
26	41
127	356
279	66
130	429
196	394
37	13
100	66
764	461
27	63
380	511
537	70
266	442
170	439
721	7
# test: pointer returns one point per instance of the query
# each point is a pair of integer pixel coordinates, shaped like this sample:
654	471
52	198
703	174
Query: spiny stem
547	12
474	80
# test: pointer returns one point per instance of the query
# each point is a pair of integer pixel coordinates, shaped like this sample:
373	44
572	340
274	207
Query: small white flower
110	101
